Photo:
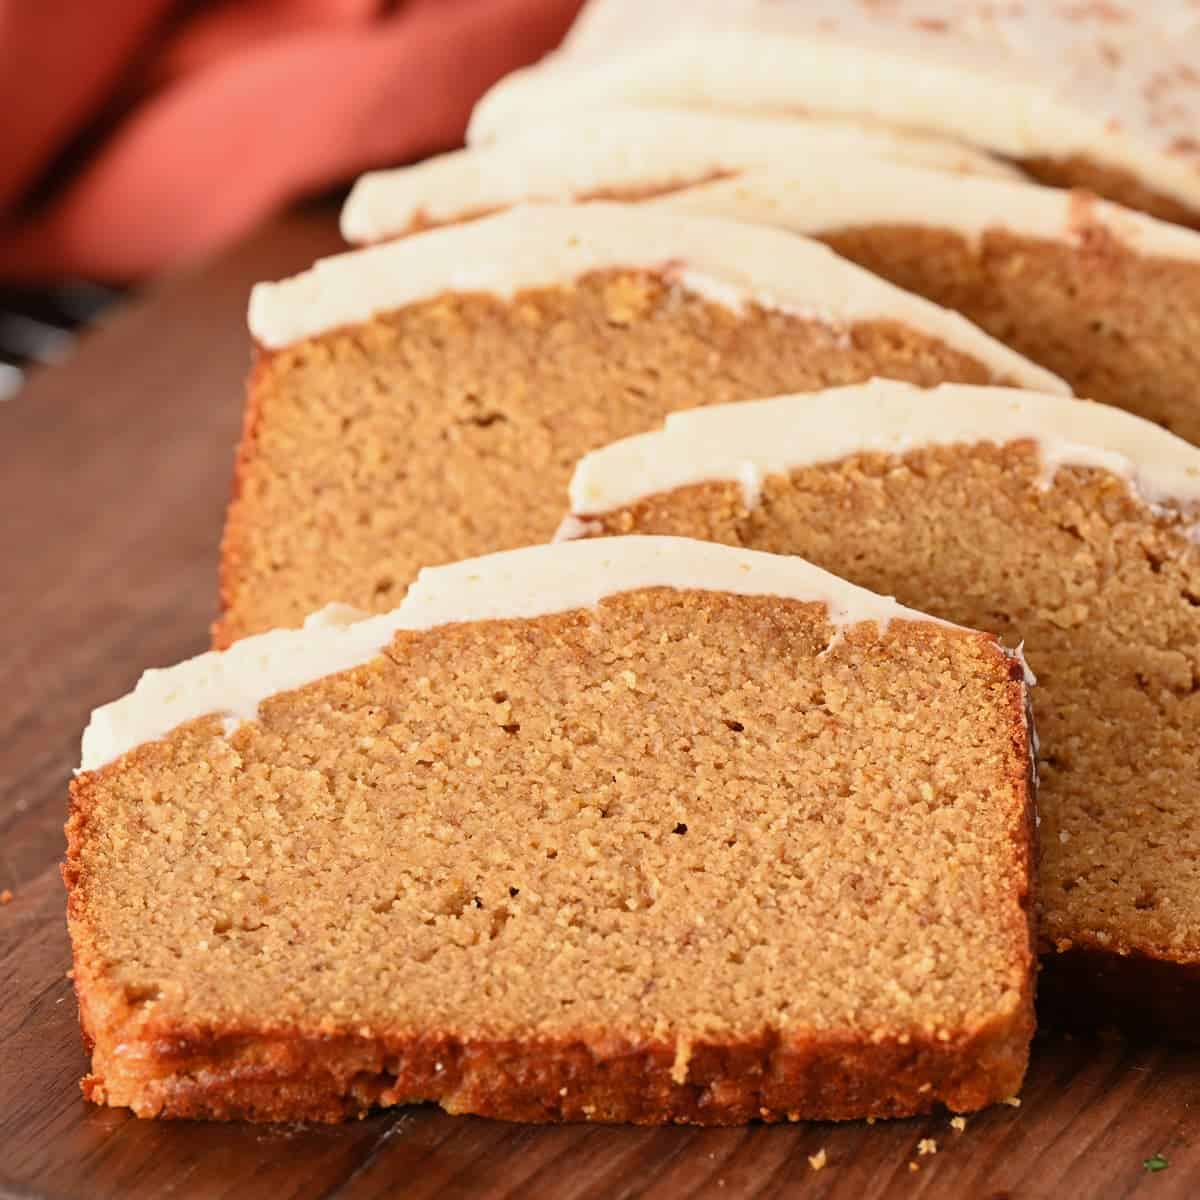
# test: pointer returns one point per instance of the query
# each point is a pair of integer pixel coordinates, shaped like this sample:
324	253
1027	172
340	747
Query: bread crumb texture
450	428
1104	592
781	874
1117	325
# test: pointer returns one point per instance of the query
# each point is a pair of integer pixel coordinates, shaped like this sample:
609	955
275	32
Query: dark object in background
37	328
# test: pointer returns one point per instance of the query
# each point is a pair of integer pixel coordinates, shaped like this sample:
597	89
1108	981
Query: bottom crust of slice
332	1078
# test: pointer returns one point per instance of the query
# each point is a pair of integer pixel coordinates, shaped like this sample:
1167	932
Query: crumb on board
817	1161
927	1146
870	1120
959	1123
1013	1102
912	1165
6	896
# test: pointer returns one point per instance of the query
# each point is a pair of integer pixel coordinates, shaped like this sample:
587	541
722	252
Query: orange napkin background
141	133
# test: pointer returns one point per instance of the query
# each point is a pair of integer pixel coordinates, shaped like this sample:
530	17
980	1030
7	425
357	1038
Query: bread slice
1069	526
627	153
632	830
1107	298
426	400
1101	95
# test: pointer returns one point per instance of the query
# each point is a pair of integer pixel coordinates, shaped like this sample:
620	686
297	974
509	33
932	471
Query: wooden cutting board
114	470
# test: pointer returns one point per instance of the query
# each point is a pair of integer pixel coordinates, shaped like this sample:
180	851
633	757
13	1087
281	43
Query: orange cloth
175	126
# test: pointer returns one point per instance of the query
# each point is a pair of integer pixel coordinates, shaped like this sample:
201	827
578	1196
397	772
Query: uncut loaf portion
1071	527
1103	94
426	400
1106	297
641	829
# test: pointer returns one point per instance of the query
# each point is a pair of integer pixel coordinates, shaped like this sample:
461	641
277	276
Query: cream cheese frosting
750	441
821	198
727	262
514	584
1111	80
619	149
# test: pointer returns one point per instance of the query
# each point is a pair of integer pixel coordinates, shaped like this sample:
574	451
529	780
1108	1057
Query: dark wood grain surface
114	469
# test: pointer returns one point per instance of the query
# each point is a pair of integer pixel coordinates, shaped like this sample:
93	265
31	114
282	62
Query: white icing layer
551	245
617	149
513	585
821	198
1112	80
750	441
234	682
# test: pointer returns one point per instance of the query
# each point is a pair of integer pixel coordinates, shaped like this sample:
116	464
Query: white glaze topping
516	584
728	262
748	442
821	198
625	148
1117	81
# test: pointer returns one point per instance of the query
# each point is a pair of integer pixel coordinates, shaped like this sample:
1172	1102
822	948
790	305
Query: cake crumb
870	1120
927	1146
912	1166
683	1056
6	896
1013	1102
817	1161
959	1123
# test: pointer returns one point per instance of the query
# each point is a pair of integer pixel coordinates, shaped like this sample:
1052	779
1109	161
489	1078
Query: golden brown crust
233	545
295	1075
